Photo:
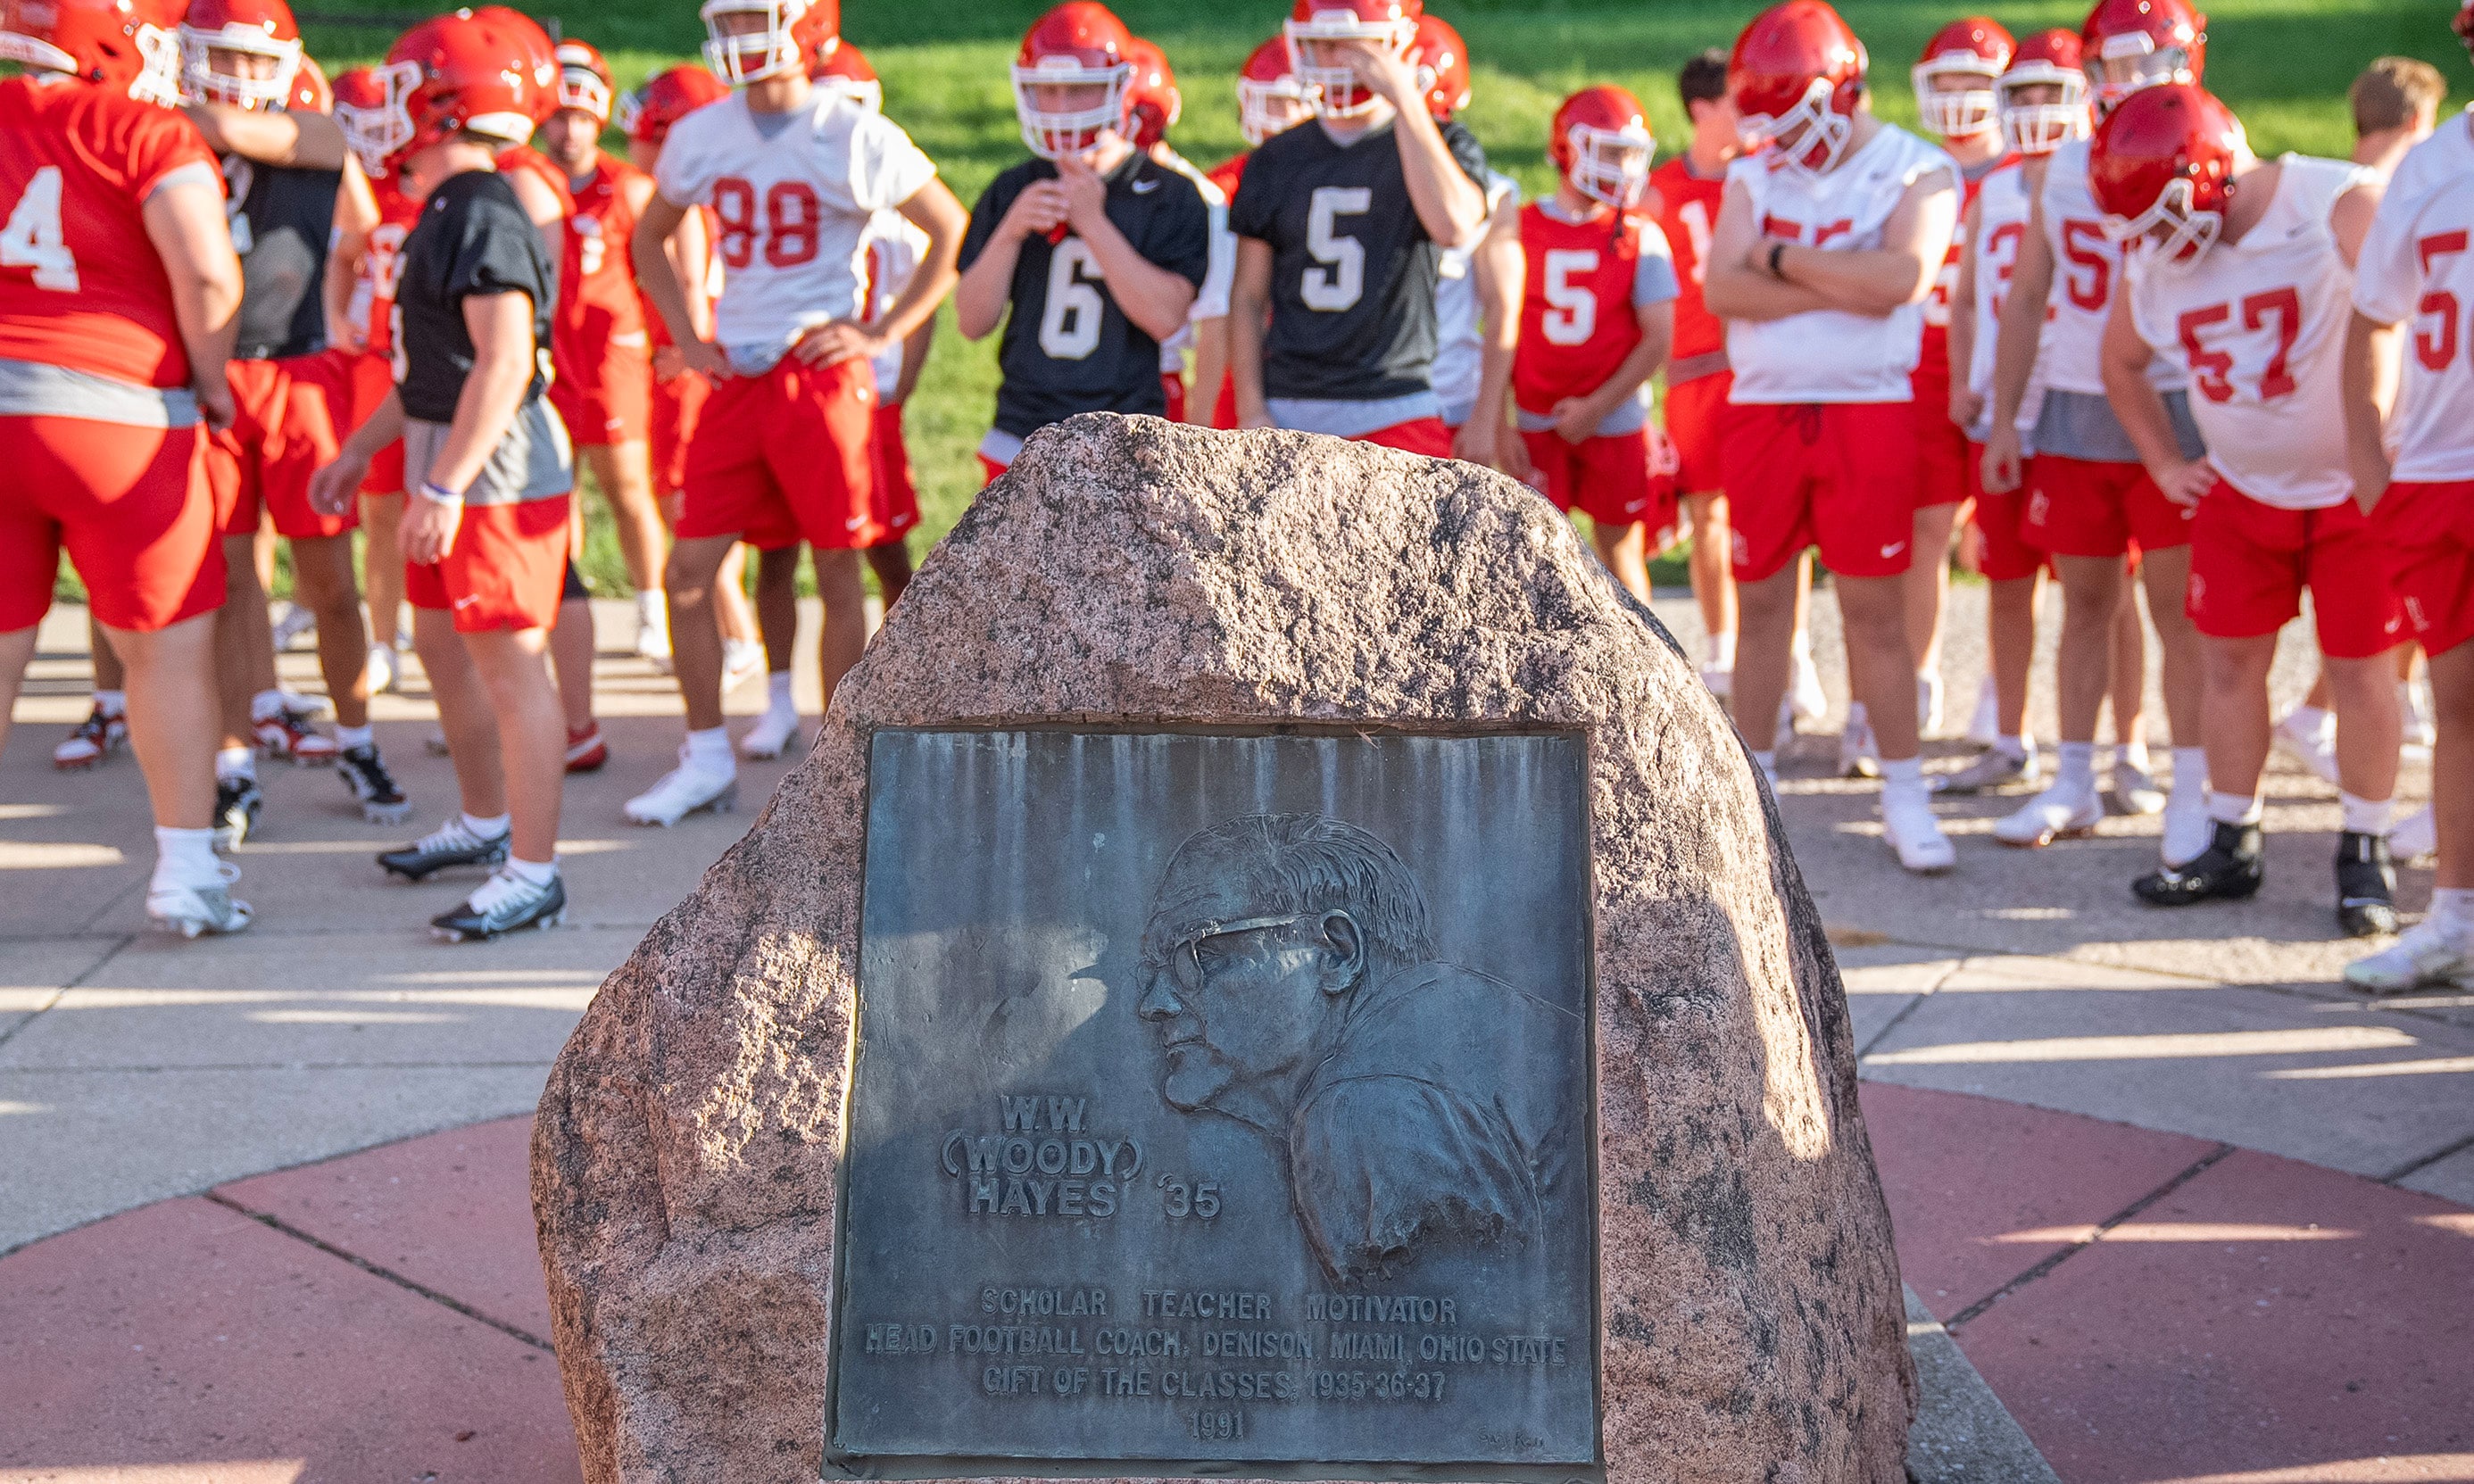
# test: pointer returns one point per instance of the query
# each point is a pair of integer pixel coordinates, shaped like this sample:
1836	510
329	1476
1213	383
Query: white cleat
1929	704
774	733
2423	959
2134	793
1984	726
684	790
1805	693
2050	816
1909	824
743	659
1859	755
2313	745
192	911
2189	831
292	626
2413	837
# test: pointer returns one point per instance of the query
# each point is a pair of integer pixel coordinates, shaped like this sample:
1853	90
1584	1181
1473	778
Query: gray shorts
531	462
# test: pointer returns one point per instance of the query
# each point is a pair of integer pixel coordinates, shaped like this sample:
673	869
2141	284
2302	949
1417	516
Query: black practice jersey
282	220
472	238
1067	348
1352	268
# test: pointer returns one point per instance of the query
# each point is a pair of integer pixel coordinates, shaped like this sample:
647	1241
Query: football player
783	451
2244	274
1477	288
119	300
1269	100
1332	312
1597	314
1089	254
1826	247
485	531
2089	499
1154	104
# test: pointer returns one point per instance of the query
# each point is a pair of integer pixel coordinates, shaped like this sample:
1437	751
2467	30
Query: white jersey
2087	267
791	209
1460	341
2417	266
2002	223
894	244
2261	326
1828	355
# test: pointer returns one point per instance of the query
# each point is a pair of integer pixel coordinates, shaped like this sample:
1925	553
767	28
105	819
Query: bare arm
2370	357
914	359
1735	282
690	246
2141	409
1250	306
502	328
185	222
1449	205
2350	220
1962	328
658	275
1498	269
934	210
2016	337
271	136
356	216
1210	369
1901	271
1154	297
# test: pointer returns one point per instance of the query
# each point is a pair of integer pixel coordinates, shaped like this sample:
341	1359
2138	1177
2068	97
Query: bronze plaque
1223	1104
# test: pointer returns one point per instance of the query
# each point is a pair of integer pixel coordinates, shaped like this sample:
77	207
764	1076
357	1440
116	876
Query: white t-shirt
1828	355
790	204
2418	246
2002	223
2087	265
1460	341
2260	326
893	244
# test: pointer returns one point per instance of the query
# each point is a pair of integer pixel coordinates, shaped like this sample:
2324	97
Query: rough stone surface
1134	571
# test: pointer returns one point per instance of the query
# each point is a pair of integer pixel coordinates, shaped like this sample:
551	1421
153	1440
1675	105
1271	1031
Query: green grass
2283	65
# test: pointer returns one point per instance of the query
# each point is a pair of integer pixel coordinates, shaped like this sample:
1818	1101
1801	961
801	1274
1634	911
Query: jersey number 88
792	218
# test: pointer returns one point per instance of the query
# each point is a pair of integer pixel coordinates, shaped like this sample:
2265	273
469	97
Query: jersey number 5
1069	326
793	215
1341	281
1572	317
32	239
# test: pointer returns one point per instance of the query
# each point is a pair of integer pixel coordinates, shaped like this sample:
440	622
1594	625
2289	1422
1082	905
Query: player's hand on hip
216	405
1037	211
1999	469
705	357
335	486
841	340
427	533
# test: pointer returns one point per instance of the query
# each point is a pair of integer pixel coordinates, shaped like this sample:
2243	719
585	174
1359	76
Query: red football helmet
252	29
2048	58
2162	167
789	32
468	71
647	113
1269	98
310	93
1601	143
843	68
1335	91
1153	102
1441	60
131	45
2463	23
1081	45
1976	49
583	80
1795	75
2130	44
361	109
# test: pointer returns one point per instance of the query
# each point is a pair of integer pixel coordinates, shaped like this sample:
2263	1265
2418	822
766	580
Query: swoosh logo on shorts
467	602
1893	549
854	523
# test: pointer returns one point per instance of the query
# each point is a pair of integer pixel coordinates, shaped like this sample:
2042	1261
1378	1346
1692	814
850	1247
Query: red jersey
1688	209
596	282
81	285
1932	365
1577	321
373	305
1227	173
524	156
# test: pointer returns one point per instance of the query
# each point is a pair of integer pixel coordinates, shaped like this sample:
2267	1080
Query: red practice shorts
609	400
1224	407
1696	414
2250	562
2079	508
2428	531
291	417
677	405
784	458
1605	478
506	569
896	496
990	470
1941	445
2007	552
1418	435
1173	387
372	377
1837	476
128	504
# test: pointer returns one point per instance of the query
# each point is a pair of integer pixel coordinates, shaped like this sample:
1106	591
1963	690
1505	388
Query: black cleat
237	801
505	903
2366	885
2229	869
450	844
366	774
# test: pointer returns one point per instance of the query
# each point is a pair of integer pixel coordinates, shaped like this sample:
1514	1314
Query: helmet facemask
740	57
1268	109
1810	138
1957	114
1053	132
201	82
1336	93
2188	232
1610	166
377	135
2127	63
2042	127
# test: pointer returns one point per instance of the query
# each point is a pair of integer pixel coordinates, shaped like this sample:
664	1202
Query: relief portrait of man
1290	971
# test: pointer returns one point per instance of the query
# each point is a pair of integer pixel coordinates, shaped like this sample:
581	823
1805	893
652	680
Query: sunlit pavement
2195	1212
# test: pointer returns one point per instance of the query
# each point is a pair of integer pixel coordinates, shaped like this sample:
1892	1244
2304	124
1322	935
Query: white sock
2310	720
1902	777
488	829
1800	647
1856	714
2021	748
112	703
532	873
185	858
351	737
651	607
777	692
2189	777
2365	816
235	763
2074	769
1722	650
2233	808
2131	755
710	752
2452	912
266	705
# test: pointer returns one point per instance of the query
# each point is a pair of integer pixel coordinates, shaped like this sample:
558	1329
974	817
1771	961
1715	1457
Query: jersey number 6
1069	326
1342	281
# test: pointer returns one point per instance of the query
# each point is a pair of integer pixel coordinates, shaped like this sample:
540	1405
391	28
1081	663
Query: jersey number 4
1069	326
1340	280
32	239
792	218
1571	315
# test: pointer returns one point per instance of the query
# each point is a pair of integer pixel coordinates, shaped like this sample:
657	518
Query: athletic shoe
2134	793
2231	869
1928	702
586	750
2415	837
1909	824
98	737
774	733
1859	755
365	773
237	801
2424	958
1994	771
1720	679
652	631
1984	726
2315	747
1805	693
2413	699
385	667
194	910
290	733
450	844
684	790
2055	813
295	623
743	659
2366	885
505	903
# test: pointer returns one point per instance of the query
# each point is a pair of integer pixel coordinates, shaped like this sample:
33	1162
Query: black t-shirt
1067	348
1352	268
473	237
282	219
